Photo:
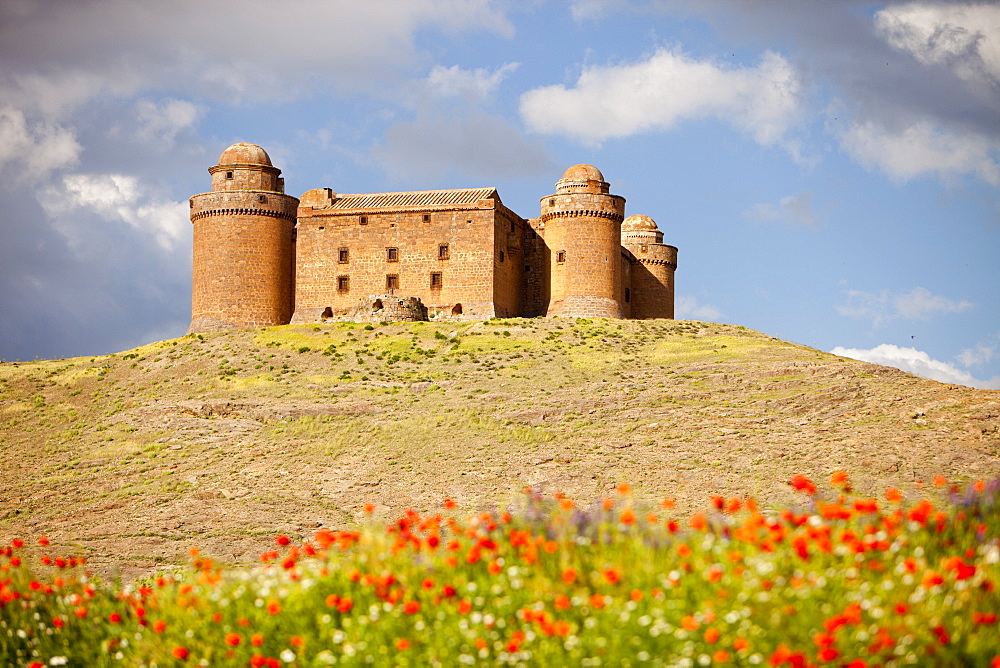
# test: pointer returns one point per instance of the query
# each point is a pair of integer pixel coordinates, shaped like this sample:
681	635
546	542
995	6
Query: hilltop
222	440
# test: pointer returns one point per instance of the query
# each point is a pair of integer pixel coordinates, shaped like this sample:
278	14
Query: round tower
582	229
652	275
243	254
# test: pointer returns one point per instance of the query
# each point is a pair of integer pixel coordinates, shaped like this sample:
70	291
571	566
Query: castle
263	258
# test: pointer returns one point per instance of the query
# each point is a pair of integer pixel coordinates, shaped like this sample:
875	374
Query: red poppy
233	639
802	484
180	652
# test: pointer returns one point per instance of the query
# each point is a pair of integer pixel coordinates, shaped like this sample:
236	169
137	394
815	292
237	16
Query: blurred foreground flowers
841	581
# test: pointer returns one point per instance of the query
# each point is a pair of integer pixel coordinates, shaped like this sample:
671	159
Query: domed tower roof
639	229
583	173
580	179
639	223
244	153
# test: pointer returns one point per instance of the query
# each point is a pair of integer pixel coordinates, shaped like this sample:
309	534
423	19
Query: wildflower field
841	581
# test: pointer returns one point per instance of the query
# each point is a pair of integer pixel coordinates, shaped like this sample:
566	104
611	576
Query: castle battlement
262	257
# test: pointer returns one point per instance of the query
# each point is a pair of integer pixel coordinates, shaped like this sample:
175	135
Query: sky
830	171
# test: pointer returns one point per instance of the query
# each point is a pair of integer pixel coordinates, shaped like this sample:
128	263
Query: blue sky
830	172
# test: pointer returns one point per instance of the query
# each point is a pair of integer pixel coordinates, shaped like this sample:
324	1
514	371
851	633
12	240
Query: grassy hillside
223	440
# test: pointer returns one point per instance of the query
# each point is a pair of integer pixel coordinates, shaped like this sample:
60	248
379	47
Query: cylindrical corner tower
653	273
243	254
583	233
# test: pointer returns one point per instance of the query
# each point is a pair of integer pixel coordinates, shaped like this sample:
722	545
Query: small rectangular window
513	228
561	257
501	256
364	220
552	202
392	282
628	295
229	175
427	217
343	255
343	284
392	254
443	252
437	281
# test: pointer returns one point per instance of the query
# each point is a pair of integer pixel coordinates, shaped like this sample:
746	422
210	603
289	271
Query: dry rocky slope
221	441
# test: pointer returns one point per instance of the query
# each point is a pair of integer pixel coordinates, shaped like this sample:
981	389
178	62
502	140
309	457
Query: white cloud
918	363
977	356
34	150
688	308
475	85
965	37
919	303
114	197
667	88
160	123
919	148
591	10
881	307
793	210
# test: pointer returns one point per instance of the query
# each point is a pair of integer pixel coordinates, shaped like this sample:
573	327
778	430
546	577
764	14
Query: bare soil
221	441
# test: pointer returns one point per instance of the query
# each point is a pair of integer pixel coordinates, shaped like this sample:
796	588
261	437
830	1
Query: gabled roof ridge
413	198
484	189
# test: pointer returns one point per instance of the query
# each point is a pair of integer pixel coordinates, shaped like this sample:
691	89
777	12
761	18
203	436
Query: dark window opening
457	309
628	295
377	305
443	252
229	175
321	227
327	312
437	281
527	267
392	282
513	228
561	257
392	254
427	217
262	199
364	220
501	256
344	255
343	284
552	202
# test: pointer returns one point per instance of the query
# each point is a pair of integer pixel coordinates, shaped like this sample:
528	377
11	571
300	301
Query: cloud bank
663	90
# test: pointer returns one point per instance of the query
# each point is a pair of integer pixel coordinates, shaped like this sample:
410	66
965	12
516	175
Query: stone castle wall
242	259
264	258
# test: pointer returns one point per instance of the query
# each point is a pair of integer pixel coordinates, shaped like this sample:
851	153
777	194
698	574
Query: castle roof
418	198
582	173
244	153
639	223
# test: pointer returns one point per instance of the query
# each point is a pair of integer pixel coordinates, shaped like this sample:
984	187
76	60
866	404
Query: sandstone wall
242	259
466	269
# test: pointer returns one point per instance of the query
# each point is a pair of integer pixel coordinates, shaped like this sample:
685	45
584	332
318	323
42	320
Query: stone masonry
263	258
